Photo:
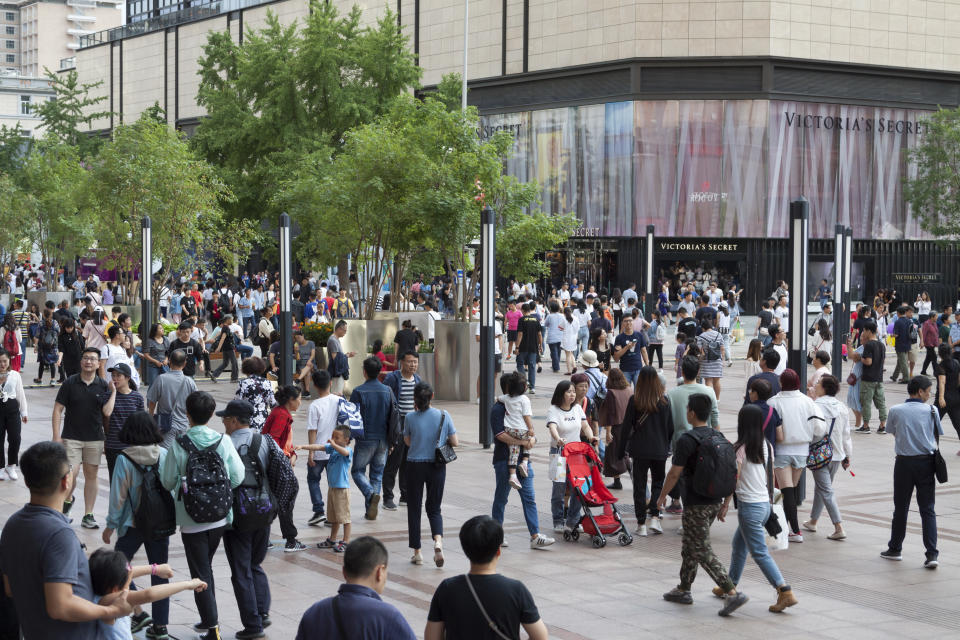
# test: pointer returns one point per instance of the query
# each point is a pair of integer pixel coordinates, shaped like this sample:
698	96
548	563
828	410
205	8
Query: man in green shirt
678	396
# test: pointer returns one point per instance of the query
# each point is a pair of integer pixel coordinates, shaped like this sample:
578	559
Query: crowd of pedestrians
170	470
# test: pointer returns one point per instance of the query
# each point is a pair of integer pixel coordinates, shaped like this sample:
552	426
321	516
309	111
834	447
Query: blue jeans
572	516
584	337
248	323
372	453
750	536
245	350
554	356
527	497
128	544
527	365
314	474
152	371
631	376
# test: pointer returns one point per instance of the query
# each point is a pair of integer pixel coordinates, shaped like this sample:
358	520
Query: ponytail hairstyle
286	394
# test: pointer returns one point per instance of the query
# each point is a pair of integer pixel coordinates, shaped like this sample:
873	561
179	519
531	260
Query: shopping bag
558	468
780	542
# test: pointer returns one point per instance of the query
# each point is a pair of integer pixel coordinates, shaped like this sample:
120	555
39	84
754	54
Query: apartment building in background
38	34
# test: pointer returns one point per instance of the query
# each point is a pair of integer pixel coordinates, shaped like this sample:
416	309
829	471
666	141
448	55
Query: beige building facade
19	97
703	119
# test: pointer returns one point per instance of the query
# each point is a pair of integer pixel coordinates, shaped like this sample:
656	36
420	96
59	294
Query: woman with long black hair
948	386
754	496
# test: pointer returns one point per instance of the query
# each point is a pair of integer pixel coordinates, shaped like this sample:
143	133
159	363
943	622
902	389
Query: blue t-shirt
338	468
552	324
631	360
425	432
38	546
119	630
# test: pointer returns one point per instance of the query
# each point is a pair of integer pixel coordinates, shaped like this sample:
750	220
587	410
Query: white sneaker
515	483
12	472
3	474
641	531
540	541
795	537
655	526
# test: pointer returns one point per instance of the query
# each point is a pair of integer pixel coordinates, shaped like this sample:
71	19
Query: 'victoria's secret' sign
856	123
697	246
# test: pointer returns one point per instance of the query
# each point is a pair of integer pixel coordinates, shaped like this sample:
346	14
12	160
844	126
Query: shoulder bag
939	464
772	525
821	451
444	453
490	623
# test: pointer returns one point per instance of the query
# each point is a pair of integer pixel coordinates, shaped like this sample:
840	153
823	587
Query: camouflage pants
696	549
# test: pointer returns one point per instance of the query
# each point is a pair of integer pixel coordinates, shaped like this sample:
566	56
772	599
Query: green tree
13	234
403	191
285	98
13	148
69	116
53	183
149	170
934	192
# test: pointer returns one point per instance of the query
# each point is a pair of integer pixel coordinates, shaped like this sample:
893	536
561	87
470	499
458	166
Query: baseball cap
121	367
237	409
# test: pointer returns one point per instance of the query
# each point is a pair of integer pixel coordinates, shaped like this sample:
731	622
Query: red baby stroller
584	473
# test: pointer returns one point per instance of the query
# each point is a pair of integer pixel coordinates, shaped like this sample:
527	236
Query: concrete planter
428	368
456	361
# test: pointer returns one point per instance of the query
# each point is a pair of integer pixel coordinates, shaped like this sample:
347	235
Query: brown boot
785	598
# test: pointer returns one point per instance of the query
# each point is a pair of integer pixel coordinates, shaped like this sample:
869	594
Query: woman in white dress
569	339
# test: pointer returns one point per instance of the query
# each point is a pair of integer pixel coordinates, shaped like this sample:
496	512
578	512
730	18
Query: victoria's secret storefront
715	177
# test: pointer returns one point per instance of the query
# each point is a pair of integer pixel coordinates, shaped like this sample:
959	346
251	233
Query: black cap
121	367
237	409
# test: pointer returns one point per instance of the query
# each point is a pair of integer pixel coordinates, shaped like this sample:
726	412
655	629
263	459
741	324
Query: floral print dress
258	391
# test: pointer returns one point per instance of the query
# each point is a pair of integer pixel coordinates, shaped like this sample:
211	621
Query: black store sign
916	278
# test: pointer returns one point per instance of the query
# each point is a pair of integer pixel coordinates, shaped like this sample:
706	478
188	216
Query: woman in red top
279	426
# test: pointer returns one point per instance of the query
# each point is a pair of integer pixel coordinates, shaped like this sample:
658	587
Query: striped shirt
23	319
405	397
125	405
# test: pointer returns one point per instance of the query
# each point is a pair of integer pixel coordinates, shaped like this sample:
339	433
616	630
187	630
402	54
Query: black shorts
498	363
511	335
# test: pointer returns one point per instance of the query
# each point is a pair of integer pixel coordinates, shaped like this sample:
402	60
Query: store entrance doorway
590	261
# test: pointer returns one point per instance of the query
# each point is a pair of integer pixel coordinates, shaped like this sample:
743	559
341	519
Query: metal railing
197	11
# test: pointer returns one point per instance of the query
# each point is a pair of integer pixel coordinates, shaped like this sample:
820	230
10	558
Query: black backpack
715	475
712	350
253	504
155	517
206	492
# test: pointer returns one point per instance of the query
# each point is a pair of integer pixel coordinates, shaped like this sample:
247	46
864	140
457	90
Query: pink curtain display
719	168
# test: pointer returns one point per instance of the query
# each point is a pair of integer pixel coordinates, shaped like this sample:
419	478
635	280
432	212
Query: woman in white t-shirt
754	495
566	422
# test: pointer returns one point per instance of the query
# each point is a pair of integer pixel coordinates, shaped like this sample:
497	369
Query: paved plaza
845	589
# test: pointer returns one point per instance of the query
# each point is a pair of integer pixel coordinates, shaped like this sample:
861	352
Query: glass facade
718	168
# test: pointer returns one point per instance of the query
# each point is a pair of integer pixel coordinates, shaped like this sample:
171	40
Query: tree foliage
69	116
147	169
934	192
403	191
287	96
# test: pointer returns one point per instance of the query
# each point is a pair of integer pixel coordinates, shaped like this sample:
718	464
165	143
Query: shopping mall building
703	119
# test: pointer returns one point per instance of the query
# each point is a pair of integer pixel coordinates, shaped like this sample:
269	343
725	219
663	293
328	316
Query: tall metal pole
847	277
648	282
839	310
466	37
146	283
487	322
286	314
799	233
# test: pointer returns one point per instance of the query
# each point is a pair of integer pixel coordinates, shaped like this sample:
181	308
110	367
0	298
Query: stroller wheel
624	539
599	542
575	535
567	537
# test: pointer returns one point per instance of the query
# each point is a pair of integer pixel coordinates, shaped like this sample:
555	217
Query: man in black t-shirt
686	325
82	436
191	348
705	312
699	512
529	344
406	339
871	381
459	604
